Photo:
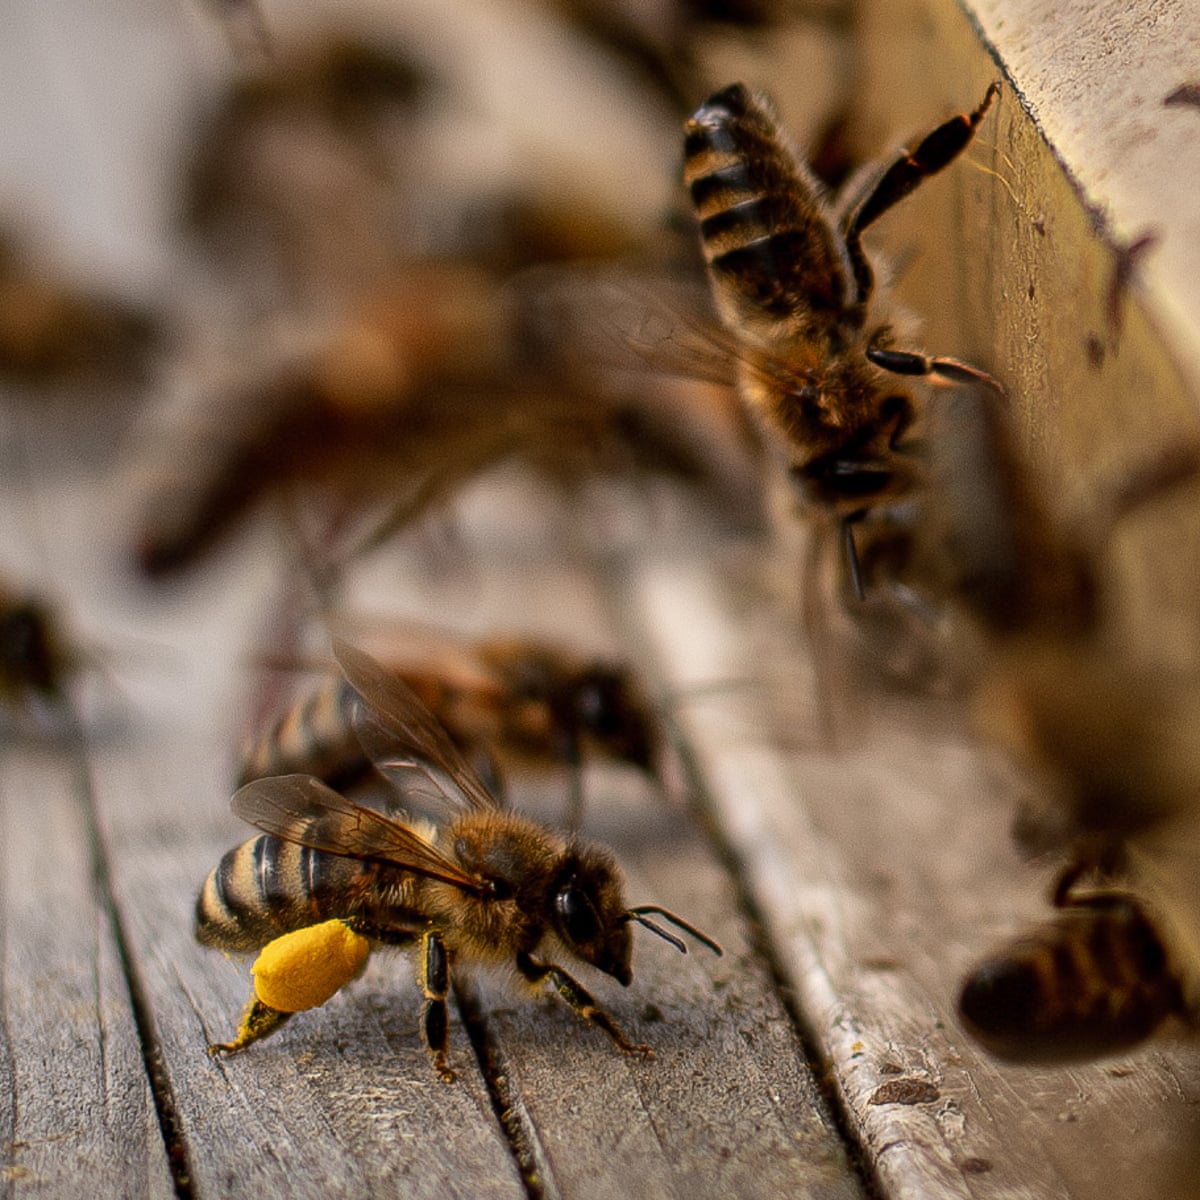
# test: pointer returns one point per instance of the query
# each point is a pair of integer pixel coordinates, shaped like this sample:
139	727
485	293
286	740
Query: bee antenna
638	915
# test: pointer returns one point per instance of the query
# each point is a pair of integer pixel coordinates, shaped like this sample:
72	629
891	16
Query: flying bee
433	380
53	332
328	879
792	284
522	700
1093	981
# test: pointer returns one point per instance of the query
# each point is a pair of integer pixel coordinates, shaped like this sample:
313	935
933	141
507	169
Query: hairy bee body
783	280
1094	981
330	876
792	285
268	886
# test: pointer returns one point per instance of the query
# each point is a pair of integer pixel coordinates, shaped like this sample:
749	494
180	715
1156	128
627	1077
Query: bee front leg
943	370
936	151
258	1021
435	983
580	999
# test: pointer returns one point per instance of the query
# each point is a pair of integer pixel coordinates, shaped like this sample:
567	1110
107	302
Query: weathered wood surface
850	886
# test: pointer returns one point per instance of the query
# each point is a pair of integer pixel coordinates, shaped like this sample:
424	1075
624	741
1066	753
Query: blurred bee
793	286
1106	743
1095	980
53	333
293	178
329	878
1106	738
35	657
515	699
434	380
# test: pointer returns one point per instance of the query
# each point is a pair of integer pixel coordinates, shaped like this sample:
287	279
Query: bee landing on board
505	700
327	879
792	284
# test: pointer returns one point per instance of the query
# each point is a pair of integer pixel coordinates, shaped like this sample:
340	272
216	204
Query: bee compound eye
577	915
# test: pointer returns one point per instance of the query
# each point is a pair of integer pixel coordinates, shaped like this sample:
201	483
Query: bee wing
302	809
406	742
619	319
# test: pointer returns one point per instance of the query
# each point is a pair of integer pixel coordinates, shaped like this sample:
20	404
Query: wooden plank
729	1106
882	872
77	1098
587	1120
1027	275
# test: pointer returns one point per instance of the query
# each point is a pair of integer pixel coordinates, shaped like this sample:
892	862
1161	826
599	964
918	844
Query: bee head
607	708
590	915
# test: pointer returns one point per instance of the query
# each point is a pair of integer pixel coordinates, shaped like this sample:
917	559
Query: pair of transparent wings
411	749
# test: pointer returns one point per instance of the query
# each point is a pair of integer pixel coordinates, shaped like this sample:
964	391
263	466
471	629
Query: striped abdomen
315	737
267	886
771	248
1094	981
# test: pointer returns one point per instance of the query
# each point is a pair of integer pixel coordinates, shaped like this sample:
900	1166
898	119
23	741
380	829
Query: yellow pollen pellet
304	968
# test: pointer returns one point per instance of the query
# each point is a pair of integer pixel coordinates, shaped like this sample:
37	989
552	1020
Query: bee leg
945	370
937	150
580	999
258	1021
435	983
850	550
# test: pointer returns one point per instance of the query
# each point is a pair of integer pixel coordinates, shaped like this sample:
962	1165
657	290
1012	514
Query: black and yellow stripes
764	229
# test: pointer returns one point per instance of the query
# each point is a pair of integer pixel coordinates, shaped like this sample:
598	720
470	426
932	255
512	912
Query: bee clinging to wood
329	878
502	699
793	285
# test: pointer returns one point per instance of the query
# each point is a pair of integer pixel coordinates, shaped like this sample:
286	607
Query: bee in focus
793	286
1094	980
502	699
328	879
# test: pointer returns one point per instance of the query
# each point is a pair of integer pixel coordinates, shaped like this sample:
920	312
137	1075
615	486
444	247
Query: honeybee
1106	743
35	657
53	332
1093	981
792	284
429	383
522	699
329	878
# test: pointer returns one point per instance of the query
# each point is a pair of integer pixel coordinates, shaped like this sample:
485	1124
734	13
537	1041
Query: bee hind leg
435	1020
258	1021
581	1000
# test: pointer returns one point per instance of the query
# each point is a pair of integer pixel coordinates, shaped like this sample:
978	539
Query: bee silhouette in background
292	186
34	657
505	701
54	332
793	285
1107	743
433	381
328	879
